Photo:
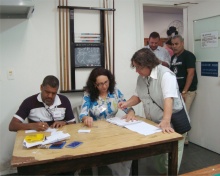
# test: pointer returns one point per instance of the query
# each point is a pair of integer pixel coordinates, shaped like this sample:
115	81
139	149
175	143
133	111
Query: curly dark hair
90	84
145	58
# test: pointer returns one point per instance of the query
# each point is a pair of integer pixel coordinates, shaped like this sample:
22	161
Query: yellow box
34	138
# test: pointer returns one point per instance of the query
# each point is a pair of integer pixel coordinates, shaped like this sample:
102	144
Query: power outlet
10	74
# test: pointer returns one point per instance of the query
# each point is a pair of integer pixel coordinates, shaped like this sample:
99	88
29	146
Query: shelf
71	91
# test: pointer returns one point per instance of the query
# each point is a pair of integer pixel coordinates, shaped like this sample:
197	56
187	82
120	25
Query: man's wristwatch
183	92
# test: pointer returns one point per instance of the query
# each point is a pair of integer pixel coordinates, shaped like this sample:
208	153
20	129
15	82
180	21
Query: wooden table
105	144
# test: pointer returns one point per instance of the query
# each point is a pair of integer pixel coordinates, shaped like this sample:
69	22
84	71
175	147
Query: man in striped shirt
43	110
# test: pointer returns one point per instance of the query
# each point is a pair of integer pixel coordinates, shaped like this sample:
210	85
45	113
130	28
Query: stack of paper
135	125
54	137
143	128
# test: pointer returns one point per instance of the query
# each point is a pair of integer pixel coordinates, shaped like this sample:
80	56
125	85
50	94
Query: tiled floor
194	158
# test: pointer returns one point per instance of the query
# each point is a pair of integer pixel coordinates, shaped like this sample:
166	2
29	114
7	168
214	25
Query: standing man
161	53
43	109
183	64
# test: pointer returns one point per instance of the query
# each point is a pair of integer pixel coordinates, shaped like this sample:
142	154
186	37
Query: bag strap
148	84
153	99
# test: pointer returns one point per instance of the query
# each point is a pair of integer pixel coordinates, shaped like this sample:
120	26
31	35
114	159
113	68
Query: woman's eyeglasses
138	67
102	84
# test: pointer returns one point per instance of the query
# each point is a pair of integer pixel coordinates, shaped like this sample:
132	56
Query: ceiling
177	7
156	9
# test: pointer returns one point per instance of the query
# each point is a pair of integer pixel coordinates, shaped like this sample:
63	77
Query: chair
76	111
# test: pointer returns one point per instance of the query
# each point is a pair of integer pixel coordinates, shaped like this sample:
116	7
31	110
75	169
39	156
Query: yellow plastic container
34	138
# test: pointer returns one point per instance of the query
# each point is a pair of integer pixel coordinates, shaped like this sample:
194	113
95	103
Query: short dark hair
154	35
51	80
168	42
179	37
91	82
146	58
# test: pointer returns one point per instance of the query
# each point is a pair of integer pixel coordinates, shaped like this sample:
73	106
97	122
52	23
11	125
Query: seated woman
100	101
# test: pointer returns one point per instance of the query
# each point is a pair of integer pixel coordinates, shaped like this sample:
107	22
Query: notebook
135	125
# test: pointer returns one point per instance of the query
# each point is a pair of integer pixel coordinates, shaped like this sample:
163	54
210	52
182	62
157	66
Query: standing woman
100	101
158	90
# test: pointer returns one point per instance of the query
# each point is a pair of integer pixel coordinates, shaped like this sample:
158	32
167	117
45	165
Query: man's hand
58	124
39	126
184	96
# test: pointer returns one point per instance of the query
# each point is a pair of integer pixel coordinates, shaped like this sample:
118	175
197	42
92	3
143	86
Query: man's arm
189	78
16	125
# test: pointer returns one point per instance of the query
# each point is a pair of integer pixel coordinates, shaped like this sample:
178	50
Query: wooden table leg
173	159
134	168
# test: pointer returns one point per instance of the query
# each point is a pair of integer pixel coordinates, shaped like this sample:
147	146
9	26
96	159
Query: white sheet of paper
48	130
84	131
56	137
143	128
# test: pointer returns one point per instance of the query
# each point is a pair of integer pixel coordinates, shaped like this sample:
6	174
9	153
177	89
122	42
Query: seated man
43	109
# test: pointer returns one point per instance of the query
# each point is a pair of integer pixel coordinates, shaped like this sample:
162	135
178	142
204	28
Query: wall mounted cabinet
16	9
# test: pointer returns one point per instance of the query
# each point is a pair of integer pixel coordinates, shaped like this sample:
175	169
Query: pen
42	121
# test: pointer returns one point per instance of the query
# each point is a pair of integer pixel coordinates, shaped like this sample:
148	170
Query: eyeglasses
102	84
138	67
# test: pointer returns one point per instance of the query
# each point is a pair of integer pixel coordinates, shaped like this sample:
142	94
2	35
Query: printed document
135	125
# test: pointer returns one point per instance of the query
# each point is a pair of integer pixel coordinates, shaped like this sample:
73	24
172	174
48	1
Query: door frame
139	15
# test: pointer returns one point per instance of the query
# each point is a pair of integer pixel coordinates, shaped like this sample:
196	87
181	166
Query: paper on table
84	131
48	130
121	122
135	125
143	128
58	136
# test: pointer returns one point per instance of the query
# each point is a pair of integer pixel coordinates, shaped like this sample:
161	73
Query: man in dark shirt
43	109
183	64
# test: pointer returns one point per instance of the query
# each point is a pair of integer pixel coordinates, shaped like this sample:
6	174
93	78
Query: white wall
205	110
31	48
159	22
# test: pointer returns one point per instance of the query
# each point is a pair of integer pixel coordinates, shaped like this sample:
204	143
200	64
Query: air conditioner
16	9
